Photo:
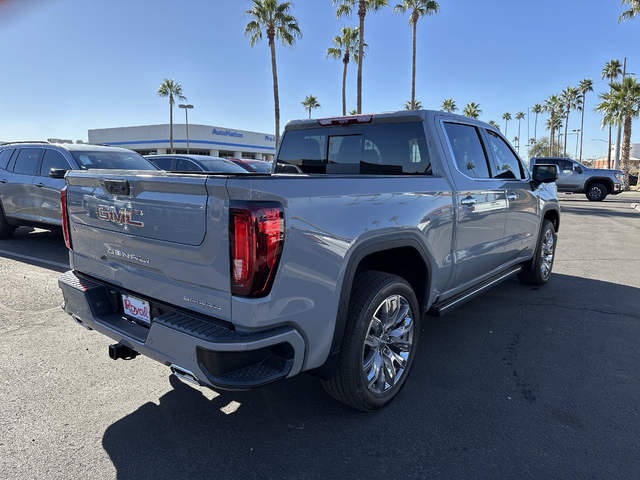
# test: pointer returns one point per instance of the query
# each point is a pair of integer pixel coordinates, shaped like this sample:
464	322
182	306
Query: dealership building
203	140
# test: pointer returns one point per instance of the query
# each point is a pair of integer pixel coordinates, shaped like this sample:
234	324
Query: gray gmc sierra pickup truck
326	266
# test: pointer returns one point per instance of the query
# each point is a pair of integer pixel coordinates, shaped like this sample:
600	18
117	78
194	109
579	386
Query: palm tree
472	110
353	112
418	8
551	105
345	8
415	105
173	90
621	106
345	45
537	109
277	22
519	117
494	124
572	100
633	11
612	69
449	105
310	103
585	86
506	117
516	141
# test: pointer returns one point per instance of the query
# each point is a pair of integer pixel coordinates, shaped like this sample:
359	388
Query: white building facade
203	140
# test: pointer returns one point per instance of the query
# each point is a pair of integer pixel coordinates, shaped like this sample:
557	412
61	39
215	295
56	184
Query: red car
256	166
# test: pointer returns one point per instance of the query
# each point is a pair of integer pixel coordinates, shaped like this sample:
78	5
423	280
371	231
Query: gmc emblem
122	217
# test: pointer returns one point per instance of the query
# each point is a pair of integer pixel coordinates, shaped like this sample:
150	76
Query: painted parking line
9	254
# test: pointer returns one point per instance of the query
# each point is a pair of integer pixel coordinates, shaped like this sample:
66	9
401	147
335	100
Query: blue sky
72	65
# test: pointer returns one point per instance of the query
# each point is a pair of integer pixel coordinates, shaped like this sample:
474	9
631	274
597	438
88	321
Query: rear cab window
371	149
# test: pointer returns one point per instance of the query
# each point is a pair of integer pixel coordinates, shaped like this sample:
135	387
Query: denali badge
128	256
201	303
122	217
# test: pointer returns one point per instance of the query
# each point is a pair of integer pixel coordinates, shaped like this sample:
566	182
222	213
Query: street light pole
577	138
186	118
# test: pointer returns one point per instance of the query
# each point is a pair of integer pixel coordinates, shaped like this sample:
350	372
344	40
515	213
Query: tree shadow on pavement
521	380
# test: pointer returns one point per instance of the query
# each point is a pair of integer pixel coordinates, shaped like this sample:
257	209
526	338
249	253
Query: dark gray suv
32	175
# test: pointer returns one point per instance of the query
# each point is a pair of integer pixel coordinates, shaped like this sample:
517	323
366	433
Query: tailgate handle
117	187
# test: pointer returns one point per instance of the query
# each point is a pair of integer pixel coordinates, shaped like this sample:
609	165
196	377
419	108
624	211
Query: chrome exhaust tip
80	322
184	375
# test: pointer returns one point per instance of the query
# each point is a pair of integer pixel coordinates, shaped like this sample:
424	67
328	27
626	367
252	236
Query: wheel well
554	218
405	262
604	181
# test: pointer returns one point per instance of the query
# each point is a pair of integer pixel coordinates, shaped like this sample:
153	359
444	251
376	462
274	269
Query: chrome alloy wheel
595	192
548	248
388	344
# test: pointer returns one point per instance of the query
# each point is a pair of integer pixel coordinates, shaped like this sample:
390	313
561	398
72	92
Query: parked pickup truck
574	177
327	266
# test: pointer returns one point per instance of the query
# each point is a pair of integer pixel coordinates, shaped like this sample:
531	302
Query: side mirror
544	174
577	168
57	172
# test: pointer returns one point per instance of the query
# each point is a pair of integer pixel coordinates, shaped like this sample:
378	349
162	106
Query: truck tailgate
160	235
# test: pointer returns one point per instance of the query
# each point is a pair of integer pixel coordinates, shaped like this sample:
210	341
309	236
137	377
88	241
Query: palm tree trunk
609	151
276	96
584	103
506	127
626	150
344	86
519	136
535	129
171	122
413	67
362	11
309	113
566	129
552	139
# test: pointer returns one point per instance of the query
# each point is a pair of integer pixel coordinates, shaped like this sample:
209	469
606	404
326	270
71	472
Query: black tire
536	276
348	383
6	230
596	192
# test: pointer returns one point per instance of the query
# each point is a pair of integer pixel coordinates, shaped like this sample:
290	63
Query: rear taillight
65	217
257	235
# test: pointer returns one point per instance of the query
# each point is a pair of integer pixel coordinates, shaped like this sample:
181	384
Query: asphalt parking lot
519	383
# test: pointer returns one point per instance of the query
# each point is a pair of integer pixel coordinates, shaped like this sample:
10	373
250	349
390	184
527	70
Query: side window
507	163
27	161
53	159
163	163
468	151
5	156
565	166
184	165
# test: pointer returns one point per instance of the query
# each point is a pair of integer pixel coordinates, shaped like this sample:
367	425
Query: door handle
39	185
513	196
3	181
467	202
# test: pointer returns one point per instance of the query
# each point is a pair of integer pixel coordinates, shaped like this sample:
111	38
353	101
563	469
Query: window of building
27	161
507	163
248	156
467	149
224	154
53	159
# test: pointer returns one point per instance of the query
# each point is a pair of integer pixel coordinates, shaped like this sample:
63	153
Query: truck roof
400	116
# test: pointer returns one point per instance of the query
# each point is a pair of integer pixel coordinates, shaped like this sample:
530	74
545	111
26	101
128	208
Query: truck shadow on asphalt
515	380
34	246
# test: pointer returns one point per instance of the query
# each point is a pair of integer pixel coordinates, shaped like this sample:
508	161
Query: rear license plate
136	308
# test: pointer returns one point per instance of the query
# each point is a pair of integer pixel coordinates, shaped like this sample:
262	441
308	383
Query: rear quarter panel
326	219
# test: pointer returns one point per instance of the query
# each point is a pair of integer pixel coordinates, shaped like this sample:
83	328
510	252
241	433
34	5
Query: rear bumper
214	352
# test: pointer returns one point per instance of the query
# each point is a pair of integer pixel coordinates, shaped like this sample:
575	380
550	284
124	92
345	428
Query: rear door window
163	163
53	159
468	150
27	161
184	165
5	156
507	163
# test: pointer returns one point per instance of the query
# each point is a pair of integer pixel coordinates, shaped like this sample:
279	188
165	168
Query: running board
439	310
